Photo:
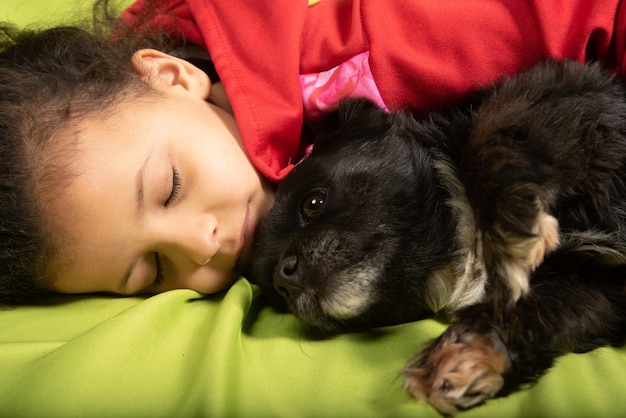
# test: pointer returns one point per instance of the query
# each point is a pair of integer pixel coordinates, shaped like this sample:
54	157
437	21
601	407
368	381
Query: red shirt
423	54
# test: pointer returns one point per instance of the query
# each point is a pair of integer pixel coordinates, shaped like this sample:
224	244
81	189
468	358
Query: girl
143	161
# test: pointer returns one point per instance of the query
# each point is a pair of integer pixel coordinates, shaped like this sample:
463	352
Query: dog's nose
287	280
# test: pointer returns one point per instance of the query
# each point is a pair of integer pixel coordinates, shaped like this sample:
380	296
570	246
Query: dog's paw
459	370
514	257
547	231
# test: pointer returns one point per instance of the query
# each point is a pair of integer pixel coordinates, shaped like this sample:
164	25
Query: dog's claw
458	372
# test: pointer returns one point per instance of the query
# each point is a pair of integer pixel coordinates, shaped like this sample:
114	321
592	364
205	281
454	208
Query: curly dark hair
49	79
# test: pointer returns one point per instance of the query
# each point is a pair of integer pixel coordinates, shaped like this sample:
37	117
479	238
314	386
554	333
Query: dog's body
509	213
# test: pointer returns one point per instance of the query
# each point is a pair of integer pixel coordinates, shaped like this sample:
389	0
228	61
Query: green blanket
181	355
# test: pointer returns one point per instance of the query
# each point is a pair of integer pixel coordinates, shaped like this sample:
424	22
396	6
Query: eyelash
176	184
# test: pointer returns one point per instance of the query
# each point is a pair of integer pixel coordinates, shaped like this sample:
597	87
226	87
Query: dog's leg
516	239
482	355
508	191
538	141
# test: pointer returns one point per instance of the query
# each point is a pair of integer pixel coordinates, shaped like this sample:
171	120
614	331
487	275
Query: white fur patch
461	283
529	253
352	296
547	229
517	280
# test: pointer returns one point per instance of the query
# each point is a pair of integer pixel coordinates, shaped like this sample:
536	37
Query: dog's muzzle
288	278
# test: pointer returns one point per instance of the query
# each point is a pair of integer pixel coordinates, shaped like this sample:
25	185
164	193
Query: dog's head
359	226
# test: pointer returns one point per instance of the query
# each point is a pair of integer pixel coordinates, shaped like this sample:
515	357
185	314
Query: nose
288	278
197	237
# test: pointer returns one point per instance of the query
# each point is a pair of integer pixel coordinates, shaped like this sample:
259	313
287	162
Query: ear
162	70
350	110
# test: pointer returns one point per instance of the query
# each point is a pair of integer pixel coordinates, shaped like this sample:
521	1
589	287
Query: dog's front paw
459	370
511	257
547	231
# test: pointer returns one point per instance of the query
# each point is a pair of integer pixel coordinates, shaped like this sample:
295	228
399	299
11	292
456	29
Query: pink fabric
321	92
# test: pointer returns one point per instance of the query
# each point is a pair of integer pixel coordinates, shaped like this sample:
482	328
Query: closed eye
176	185
174	193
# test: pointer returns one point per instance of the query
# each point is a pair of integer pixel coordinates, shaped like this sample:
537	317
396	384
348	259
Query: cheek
231	170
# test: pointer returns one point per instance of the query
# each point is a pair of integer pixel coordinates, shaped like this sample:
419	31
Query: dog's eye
313	204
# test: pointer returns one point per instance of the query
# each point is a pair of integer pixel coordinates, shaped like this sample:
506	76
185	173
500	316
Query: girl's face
165	196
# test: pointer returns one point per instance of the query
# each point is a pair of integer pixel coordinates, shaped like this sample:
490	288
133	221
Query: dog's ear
354	110
349	112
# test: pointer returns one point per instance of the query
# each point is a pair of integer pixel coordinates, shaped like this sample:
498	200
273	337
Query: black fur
507	212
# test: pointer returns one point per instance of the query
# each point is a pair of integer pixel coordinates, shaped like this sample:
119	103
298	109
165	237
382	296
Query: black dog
508	212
